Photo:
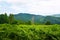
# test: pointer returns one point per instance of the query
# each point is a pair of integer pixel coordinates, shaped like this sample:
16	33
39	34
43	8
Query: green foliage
48	23
29	23
11	18
29	32
24	19
3	18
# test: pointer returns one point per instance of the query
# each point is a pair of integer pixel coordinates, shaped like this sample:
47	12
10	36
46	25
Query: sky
39	7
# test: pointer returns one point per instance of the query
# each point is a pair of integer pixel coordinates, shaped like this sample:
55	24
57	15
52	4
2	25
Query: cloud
44	7
0	0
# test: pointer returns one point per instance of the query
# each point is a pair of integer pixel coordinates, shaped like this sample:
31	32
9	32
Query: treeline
5	19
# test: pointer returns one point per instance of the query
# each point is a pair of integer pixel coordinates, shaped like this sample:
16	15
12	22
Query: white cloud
45	7
0	0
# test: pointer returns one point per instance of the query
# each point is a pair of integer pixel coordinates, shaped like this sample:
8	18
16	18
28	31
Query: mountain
37	18
52	19
56	15
28	17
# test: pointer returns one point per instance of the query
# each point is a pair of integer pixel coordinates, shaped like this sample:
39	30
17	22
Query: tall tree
3	18
11	18
6	18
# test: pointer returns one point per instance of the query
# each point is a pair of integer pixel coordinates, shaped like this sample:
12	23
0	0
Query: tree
6	18
3	18
29	22
48	23
11	18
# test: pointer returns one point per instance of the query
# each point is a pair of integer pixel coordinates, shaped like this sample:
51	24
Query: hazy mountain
37	18
28	17
56	15
52	19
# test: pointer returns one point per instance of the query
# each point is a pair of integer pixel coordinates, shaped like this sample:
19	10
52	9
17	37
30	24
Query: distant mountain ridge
56	15
37	18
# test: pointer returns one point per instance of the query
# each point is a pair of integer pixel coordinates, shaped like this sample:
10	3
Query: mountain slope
37	18
28	17
56	15
53	20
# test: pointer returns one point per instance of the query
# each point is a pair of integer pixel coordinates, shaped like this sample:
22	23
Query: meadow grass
29	32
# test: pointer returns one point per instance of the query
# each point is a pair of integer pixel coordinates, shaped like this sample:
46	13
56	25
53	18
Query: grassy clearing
29	32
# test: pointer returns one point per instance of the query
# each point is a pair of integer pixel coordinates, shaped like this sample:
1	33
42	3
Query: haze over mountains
56	15
54	19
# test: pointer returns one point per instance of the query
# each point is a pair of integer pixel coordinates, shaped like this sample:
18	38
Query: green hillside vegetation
38	19
29	32
27	19
14	29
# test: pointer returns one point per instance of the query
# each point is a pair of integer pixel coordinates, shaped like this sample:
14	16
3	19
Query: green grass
29	32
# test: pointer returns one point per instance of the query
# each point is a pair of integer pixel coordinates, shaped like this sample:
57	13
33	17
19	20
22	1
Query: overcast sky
40	7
